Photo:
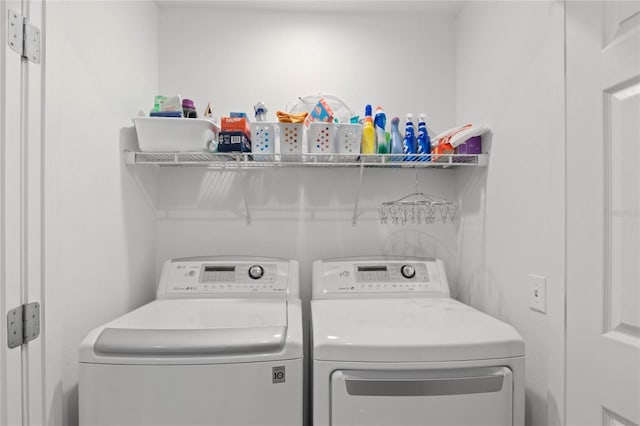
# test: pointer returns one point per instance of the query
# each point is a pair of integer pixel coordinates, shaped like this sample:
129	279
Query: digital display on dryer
372	273
219	268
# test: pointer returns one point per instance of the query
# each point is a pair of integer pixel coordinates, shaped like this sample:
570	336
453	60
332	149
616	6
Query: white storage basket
263	140
291	141
162	134
321	138
348	141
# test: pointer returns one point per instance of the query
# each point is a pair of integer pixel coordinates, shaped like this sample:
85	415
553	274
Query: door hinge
23	324
24	37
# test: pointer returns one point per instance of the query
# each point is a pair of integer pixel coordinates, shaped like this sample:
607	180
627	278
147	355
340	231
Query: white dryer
391	348
221	345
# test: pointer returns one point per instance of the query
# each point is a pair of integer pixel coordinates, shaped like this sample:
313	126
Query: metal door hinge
23	324
24	37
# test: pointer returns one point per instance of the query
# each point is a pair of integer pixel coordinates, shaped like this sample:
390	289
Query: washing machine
391	348
221	345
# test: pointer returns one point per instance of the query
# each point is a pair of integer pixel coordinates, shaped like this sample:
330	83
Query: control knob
256	272
408	271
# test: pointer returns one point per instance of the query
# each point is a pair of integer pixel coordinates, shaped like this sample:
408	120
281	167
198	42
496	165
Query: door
603	213
428	397
20	214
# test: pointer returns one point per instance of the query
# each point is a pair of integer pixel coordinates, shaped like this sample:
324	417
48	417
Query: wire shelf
250	161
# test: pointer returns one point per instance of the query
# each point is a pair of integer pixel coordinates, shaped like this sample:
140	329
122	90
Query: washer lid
408	330
191	329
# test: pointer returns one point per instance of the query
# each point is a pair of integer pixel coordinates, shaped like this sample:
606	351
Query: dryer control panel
376	277
223	277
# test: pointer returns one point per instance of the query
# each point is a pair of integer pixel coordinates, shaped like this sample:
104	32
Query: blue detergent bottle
396	139
409	142
424	141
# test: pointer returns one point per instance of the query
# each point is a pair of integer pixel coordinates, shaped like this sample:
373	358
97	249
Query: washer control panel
405	273
396	277
191	277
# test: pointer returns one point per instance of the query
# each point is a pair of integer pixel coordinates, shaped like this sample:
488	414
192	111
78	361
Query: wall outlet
538	293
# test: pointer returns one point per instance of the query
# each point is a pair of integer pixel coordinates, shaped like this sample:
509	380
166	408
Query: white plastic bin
291	138
348	141
263	140
163	134
321	138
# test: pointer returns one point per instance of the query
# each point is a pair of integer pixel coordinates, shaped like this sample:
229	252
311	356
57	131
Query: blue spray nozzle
367	110
380	119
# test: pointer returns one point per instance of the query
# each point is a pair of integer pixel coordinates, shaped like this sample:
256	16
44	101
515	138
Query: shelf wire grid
249	160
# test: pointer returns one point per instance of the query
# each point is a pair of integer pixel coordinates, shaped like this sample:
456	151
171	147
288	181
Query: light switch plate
538	293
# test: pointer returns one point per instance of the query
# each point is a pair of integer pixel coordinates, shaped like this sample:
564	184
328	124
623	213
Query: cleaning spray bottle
380	123
261	111
409	142
396	139
368	133
424	141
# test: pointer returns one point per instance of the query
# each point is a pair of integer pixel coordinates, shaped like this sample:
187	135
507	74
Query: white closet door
603	213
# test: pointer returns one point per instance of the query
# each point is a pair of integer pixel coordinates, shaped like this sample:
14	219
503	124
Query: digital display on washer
372	268
218	273
219	268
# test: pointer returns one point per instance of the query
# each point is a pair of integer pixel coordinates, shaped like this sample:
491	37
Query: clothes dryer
391	348
221	345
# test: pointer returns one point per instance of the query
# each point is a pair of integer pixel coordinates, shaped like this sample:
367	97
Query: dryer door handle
185	342
489	380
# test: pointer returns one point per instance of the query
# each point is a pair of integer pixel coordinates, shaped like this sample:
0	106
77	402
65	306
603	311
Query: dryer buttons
256	272
408	271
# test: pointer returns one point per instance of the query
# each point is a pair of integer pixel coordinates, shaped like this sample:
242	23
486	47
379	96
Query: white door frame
21	216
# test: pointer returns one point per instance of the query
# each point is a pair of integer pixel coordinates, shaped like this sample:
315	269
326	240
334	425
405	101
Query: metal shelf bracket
354	219
245	182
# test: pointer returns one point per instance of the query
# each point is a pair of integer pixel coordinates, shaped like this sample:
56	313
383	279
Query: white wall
510	76
403	61
102	60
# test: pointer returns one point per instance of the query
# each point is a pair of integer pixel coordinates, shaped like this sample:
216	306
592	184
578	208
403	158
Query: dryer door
472	396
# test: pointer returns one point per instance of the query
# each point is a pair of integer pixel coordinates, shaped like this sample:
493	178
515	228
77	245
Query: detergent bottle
409	142
396	139
380	123
424	141
368	133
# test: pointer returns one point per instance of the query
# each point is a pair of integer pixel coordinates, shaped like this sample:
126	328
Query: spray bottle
424	141
396	139
261	111
368	133
380	123
409	142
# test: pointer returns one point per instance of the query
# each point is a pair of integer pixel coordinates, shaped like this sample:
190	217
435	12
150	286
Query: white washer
221	345
391	348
